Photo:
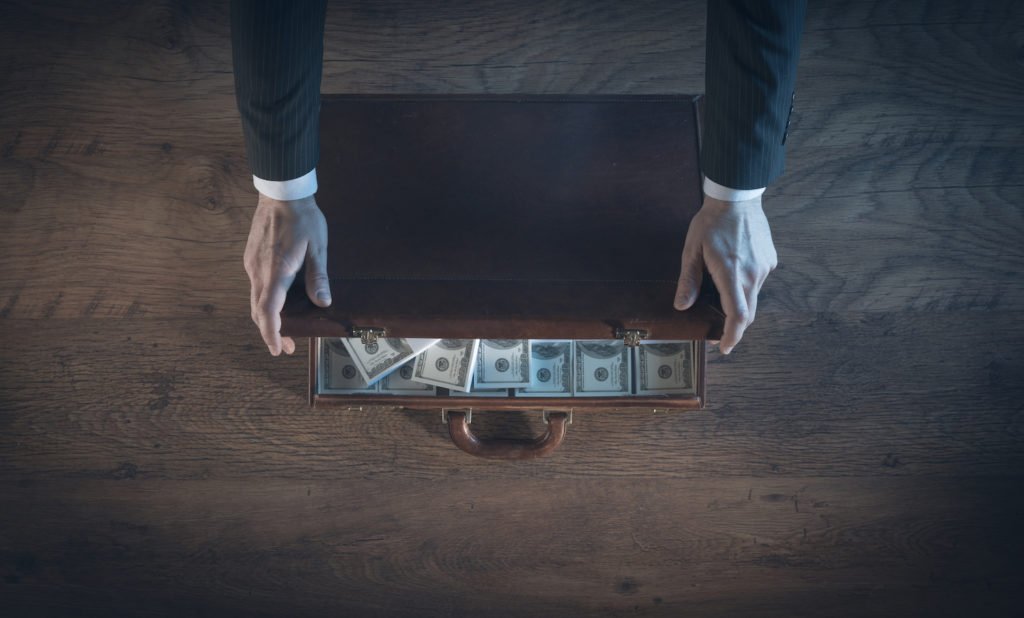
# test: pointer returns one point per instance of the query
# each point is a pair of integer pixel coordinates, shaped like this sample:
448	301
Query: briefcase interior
507	217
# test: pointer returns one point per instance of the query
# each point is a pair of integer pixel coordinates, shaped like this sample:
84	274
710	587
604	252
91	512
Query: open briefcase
543	217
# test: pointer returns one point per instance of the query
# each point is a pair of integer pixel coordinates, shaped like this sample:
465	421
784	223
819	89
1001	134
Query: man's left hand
735	243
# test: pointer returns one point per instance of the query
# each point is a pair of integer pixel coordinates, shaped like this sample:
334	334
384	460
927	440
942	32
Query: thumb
690	277
318	285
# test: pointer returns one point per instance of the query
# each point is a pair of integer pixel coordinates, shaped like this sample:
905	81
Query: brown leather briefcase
507	217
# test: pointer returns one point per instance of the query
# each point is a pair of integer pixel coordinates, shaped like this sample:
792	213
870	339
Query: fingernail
726	350
323	296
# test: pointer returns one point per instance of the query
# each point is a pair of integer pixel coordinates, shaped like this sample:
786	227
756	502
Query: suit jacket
750	70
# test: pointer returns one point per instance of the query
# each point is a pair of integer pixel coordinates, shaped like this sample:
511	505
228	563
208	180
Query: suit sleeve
277	48
750	73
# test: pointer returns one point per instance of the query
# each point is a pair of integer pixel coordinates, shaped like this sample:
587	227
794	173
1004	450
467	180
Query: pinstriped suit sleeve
750	72
277	49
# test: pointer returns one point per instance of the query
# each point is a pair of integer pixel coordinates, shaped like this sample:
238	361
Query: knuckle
743	317
263	309
267	331
282	263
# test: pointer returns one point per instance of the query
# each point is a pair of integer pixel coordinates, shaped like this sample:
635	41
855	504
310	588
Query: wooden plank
659	547
829	395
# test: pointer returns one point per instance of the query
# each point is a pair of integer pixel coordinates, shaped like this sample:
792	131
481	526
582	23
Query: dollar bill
477	391
664	367
502	363
378	359
491	392
602	368
400	382
550	369
448	363
338	373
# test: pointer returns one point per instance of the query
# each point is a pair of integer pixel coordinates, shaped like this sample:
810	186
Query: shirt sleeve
728	194
284	190
277	53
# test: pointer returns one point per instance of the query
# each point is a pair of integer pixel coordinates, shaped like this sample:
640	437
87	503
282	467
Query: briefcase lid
507	216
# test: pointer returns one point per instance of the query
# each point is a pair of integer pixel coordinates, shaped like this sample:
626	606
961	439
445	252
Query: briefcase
557	219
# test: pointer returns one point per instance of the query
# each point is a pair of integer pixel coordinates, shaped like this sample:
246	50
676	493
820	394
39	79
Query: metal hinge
631	336
368	334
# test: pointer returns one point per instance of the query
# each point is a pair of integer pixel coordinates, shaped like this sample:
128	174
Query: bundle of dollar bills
506	367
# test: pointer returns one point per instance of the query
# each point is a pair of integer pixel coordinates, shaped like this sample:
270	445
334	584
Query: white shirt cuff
727	194
294	189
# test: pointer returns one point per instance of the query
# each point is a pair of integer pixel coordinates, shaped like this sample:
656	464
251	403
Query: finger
254	286
254	300
690	275
288	345
737	313
318	285
268	311
755	291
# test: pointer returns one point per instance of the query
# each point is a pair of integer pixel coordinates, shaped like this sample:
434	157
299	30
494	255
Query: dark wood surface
861	453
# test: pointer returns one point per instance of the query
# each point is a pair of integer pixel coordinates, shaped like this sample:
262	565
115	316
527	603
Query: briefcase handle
463	437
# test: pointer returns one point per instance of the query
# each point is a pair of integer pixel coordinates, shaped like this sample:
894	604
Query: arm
751	56
277	50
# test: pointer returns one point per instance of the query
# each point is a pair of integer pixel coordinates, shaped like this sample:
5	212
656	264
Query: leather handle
462	436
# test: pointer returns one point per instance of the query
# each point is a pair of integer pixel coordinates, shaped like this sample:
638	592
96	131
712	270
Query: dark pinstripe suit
751	56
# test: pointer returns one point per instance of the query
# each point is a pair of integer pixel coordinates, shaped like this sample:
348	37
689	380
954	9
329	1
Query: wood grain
861	453
824	396
380	547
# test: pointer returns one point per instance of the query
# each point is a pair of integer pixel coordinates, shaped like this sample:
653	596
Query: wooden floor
863	452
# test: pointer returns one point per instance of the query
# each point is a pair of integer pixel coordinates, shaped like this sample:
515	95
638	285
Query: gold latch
631	336
368	334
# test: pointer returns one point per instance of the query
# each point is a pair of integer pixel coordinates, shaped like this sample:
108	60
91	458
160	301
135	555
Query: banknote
550	369
448	363
475	392
400	382
502	363
663	367
338	373
602	368
378	359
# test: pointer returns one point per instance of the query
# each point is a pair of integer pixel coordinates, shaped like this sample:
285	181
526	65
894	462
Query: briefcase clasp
631	336
368	334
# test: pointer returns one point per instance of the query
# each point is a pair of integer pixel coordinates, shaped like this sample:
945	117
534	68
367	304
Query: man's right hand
283	236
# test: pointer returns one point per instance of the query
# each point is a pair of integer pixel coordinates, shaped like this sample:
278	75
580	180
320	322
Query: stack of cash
506	367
